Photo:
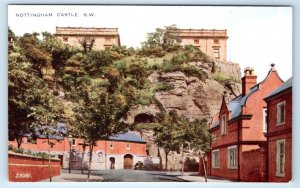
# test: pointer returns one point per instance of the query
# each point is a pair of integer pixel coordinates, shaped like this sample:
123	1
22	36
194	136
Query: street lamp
70	139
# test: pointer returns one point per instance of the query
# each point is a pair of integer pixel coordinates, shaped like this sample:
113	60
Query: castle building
239	149
211	42
279	121
88	37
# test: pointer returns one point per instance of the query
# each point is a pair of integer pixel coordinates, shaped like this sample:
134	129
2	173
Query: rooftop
286	85
203	33
86	31
129	136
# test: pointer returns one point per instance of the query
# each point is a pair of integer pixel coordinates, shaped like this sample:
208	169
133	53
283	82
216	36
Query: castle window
215	158
281	113
232	159
65	39
280	157
73	142
216	52
223	125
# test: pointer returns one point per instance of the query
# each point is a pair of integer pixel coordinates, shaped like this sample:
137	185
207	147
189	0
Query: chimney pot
249	80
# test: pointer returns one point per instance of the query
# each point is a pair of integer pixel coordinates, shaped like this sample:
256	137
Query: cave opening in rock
144	118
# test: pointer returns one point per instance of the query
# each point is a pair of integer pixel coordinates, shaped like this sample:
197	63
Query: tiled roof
284	86
235	106
129	136
215	124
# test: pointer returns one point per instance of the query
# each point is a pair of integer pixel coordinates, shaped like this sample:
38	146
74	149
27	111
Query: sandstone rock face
191	98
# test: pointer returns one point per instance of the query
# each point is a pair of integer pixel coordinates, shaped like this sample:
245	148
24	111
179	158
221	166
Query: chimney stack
249	80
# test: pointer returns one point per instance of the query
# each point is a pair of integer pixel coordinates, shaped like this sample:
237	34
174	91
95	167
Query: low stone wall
26	168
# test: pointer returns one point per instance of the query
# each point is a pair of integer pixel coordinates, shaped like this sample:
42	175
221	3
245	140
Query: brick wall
275	133
253	168
25	168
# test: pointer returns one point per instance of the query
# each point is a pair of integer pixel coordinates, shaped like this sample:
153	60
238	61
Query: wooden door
128	161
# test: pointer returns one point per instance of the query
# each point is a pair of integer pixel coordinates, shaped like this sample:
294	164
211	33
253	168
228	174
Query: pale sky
258	36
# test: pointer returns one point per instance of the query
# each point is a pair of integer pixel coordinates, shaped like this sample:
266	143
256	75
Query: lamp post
70	139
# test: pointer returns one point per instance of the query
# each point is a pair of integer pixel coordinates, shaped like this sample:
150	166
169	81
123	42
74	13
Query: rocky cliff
190	97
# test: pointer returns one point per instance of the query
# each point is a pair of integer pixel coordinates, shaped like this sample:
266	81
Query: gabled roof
129	136
235	106
286	85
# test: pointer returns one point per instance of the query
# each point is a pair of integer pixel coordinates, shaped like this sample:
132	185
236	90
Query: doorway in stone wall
128	161
112	161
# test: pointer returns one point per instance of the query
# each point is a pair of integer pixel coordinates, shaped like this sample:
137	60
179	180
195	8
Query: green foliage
219	77
161	41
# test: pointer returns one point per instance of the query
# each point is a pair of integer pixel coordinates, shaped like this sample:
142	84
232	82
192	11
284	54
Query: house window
216	53
223	127
215	159
128	146
265	120
280	157
280	113
65	39
232	159
196	41
111	145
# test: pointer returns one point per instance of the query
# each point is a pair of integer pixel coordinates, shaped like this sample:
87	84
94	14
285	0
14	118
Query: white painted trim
213	158
278	113
278	158
228	157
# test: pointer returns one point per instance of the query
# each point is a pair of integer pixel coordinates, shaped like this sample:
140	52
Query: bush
221	78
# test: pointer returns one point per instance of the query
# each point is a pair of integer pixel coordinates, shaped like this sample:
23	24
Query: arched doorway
128	161
112	162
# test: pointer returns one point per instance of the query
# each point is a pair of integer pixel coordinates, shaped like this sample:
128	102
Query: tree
200	139
99	115
166	39
166	133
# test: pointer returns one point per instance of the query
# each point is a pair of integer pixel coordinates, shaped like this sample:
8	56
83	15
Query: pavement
64	177
133	176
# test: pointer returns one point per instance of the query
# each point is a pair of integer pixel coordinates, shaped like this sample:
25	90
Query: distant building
211	42
89	37
122	151
279	135
239	150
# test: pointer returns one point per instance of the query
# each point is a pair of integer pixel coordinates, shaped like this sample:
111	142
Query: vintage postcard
101	93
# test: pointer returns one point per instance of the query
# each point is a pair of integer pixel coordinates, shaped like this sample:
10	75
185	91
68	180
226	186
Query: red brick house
279	105
118	152
239	149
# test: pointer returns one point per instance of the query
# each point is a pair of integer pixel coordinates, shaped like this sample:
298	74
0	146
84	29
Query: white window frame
278	173
216	53
265	123
279	113
213	158
229	166
223	124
